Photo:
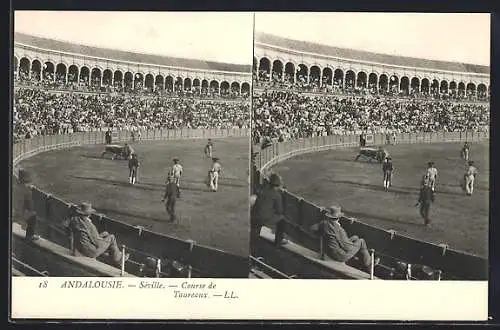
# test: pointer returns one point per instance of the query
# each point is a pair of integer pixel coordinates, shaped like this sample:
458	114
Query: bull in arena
118	151
372	154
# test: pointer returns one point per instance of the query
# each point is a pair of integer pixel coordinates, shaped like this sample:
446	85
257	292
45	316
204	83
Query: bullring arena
68	95
312	102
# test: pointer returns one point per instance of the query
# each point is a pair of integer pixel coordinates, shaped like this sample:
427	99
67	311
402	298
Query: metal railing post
122	270
372	265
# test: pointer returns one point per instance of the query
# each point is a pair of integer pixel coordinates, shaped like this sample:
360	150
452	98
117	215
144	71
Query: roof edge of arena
60	46
312	48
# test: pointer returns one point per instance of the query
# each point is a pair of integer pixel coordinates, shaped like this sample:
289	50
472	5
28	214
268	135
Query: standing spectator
268	210
29	212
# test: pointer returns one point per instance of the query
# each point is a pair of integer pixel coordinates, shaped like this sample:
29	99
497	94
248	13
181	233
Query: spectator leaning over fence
268	210
339	246
29	212
88	240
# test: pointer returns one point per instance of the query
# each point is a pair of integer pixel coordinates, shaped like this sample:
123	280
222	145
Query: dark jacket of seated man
88	241
339	246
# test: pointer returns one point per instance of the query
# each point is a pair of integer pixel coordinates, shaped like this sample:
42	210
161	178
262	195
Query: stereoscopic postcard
252	166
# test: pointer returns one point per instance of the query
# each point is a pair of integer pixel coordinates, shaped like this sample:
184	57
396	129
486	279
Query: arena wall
456	264
209	262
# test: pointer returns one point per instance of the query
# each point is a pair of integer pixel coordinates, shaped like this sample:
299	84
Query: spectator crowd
40	112
284	115
314	84
57	81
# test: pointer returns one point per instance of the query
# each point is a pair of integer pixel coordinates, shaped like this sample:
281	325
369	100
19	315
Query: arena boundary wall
205	260
454	264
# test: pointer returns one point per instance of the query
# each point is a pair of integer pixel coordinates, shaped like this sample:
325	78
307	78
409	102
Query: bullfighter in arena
464	152
469	177
214	173
387	169
208	148
432	173
425	199
170	197
177	171
127	151
133	166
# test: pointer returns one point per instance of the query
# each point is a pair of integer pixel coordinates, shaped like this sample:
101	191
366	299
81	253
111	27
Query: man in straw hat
268	210
88	241
28	206
339	246
170	197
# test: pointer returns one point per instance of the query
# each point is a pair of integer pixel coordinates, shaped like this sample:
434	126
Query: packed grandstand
303	89
62	87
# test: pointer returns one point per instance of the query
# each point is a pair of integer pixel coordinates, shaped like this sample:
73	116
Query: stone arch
482	91
327	76
235	87
61	71
196	83
383	82
48	71
394	83
138	81
404	85
302	73
214	86
128	80
372	81
187	84
425	85
289	72
204	85
24	68
118	78
443	87
414	85
95	77
264	68
107	77
245	88
149	82
338	77
350	78
169	83
314	75
73	73
84	74
434	86
277	70
362	80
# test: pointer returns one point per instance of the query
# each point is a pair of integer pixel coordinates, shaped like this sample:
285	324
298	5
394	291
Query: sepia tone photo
370	146
130	144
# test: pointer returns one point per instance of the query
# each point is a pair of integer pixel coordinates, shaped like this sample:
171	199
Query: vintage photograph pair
160	158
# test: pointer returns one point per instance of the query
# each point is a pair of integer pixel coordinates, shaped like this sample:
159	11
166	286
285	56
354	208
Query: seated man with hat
88	241
268	210
339	246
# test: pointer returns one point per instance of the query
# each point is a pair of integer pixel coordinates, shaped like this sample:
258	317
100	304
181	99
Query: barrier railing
386	243
207	261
